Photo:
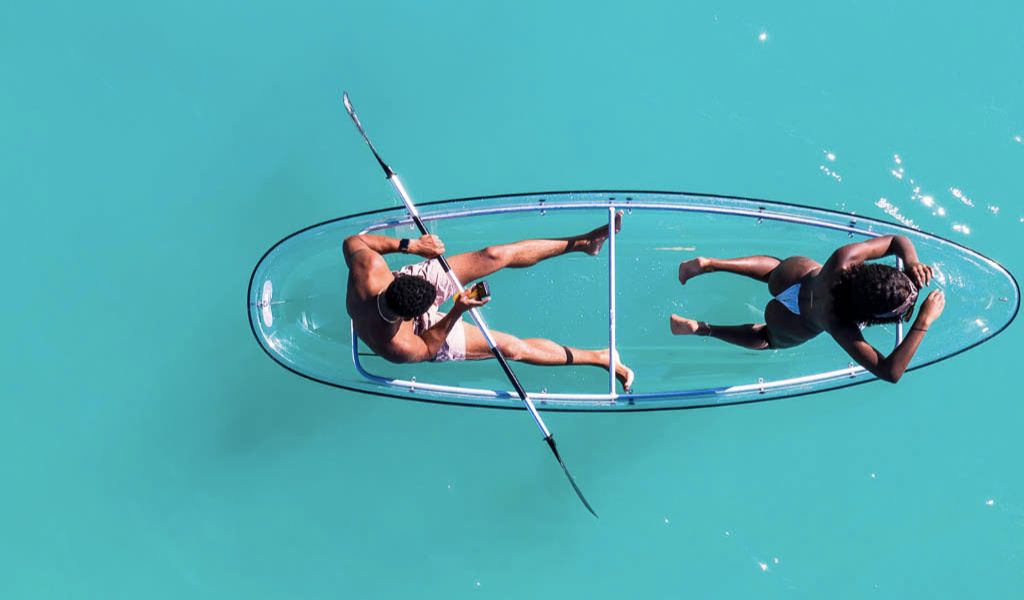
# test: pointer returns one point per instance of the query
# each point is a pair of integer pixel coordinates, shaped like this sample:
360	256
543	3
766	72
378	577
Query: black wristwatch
403	246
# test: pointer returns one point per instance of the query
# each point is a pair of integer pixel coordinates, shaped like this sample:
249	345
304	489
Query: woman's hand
919	273
931	308
428	246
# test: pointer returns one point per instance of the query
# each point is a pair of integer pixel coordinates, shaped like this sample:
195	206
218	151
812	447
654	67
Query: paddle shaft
473	312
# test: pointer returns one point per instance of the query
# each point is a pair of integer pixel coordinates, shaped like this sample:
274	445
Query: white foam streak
893	211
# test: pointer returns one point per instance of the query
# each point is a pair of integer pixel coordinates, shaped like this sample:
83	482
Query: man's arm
427	344
891	368
428	246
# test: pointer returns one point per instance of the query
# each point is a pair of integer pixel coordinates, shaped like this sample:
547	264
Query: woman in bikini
840	297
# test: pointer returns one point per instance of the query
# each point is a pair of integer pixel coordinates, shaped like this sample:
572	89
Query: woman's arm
886	245
891	368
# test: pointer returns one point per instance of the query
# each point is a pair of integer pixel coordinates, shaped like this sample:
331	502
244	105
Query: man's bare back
369	276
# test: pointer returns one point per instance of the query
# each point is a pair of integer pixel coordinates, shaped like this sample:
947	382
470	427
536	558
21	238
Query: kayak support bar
612	358
899	324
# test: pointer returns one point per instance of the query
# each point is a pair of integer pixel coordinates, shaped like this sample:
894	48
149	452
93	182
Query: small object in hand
479	291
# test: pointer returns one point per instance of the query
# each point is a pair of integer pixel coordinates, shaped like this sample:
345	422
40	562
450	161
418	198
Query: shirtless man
395	312
839	298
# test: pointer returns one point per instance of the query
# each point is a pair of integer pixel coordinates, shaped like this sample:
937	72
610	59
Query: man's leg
526	253
540	351
755	267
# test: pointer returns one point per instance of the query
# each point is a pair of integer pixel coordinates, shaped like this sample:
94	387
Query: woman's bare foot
691	268
592	242
683	326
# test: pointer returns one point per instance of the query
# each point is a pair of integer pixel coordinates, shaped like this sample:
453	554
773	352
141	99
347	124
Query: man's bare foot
592	242
691	268
625	376
683	326
623	373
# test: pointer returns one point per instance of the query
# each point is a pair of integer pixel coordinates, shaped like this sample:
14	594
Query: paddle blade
355	119
351	111
579	493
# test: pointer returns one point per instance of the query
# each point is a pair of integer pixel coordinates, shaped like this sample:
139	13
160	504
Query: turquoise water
151	155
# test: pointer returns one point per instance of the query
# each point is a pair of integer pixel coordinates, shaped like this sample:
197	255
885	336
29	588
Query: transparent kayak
621	299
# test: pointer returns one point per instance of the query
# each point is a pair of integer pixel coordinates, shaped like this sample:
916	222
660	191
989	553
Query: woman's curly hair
867	293
410	296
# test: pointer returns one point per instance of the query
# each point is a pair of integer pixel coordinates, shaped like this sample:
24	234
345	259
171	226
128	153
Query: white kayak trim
548	399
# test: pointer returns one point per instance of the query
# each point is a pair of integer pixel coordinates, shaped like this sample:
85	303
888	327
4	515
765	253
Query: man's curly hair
865	291
410	296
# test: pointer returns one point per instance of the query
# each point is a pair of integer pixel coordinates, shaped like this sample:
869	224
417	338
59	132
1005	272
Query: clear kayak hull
623	297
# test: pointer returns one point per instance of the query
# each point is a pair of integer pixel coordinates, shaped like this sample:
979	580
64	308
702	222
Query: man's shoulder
400	348
367	261
368	274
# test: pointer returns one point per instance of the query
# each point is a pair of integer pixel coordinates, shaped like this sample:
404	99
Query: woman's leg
753	335
755	267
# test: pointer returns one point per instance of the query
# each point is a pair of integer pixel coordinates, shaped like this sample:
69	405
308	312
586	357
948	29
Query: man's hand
463	304
919	273
428	246
931	308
